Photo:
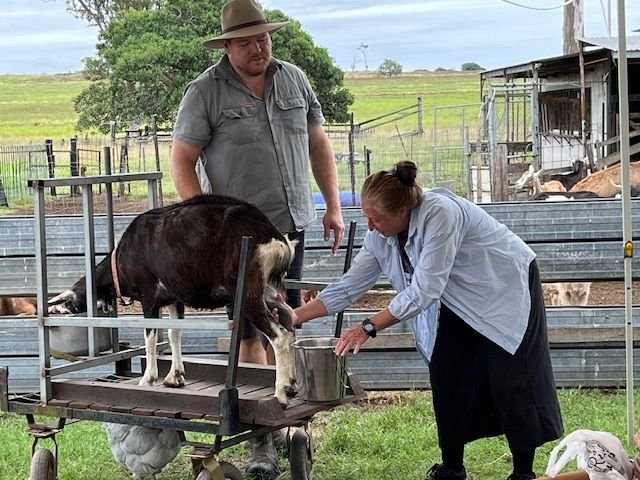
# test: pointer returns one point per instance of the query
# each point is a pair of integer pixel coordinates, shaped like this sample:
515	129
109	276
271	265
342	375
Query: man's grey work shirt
461	256
254	150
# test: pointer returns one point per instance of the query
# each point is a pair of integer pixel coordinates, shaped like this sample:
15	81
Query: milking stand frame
44	463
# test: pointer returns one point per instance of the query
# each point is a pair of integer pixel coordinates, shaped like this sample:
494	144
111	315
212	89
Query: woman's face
386	224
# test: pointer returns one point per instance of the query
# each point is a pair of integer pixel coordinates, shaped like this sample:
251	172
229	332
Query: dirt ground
602	293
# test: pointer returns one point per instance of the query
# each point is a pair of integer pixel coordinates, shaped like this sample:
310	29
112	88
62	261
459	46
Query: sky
40	36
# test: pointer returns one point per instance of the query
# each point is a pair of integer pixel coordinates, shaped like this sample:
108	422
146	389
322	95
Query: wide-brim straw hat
242	18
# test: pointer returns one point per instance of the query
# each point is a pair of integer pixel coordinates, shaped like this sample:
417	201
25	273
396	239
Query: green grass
393	437
36	107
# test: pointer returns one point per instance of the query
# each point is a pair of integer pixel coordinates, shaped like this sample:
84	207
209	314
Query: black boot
440	472
264	459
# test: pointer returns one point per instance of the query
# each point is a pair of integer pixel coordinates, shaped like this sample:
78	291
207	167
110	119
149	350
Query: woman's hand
351	339
289	311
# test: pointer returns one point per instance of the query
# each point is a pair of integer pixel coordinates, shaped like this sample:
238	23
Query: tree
145	58
470	66
99	12
389	68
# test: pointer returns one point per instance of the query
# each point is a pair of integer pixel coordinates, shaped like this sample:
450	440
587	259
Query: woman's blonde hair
393	190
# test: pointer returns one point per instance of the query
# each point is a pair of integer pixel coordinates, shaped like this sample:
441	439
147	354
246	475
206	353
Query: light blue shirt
461	256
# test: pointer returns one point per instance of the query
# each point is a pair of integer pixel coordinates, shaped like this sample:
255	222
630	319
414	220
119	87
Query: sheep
18	306
187	254
606	182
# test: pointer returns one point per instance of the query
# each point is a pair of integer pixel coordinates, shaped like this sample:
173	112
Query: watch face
369	328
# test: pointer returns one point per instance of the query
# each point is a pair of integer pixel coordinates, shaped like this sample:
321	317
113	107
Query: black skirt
480	390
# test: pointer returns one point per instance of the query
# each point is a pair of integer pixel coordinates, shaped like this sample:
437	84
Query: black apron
480	390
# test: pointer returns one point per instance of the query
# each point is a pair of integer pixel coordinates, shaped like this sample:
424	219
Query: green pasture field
36	107
375	95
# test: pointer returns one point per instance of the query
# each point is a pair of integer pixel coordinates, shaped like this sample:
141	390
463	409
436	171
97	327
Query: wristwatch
369	328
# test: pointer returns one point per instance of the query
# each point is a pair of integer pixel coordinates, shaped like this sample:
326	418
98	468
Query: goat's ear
62	298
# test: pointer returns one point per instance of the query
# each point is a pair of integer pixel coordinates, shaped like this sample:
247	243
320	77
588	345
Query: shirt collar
224	70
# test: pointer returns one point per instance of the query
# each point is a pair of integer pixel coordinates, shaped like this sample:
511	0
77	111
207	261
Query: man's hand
333	221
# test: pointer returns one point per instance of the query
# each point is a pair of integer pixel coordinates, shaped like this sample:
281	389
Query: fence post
420	113
367	162
499	177
73	163
51	162
3	196
124	162
154	128
352	154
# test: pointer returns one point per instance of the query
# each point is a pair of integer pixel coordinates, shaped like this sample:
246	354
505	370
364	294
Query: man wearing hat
251	125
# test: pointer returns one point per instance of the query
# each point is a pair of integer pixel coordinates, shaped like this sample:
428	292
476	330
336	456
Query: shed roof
606	47
611	43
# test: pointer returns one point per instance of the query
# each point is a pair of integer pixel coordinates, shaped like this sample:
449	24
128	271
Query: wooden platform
197	400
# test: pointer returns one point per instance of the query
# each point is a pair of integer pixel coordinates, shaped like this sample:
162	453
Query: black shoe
440	472
522	476
262	471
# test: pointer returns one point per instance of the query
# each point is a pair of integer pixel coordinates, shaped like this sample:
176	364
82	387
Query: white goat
531	180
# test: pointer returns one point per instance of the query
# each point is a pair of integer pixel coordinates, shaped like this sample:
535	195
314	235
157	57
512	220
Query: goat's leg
151	371
285	367
175	377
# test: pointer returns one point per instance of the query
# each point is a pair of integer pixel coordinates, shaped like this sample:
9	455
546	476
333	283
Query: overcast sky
39	36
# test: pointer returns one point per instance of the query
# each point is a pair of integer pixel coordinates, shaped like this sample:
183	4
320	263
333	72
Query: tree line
148	51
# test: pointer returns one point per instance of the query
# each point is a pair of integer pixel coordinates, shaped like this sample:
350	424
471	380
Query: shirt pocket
292	114
241	125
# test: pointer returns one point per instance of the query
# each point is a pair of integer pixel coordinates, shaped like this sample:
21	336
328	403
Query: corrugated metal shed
568	64
611	43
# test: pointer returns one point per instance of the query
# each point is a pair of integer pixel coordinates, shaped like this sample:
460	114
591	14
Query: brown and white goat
606	182
18	306
530	179
187	254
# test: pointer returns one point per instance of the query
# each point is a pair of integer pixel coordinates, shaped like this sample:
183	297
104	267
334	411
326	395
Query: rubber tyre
230	472
43	465
300	458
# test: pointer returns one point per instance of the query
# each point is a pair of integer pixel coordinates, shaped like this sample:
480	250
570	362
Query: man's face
249	55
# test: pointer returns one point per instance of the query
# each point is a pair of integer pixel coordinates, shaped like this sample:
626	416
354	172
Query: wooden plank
126	397
248	373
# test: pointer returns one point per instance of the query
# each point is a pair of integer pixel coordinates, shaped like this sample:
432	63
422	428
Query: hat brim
218	42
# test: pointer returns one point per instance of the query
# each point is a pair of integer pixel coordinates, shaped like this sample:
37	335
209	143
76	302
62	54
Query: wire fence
359	149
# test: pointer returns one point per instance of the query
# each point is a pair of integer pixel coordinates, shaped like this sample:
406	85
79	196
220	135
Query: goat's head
75	299
275	257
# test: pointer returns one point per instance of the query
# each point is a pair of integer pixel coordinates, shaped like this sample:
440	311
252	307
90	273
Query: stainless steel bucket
74	340
321	375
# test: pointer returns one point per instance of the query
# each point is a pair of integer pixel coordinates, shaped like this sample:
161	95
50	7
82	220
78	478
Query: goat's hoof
282	399
175	380
147	381
290	390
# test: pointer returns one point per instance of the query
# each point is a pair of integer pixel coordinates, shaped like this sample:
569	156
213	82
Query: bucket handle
343	378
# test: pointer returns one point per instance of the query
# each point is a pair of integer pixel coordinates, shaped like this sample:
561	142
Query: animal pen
441	153
231	402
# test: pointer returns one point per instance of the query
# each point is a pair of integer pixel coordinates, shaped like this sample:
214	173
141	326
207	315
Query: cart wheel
300	457
42	465
230	472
